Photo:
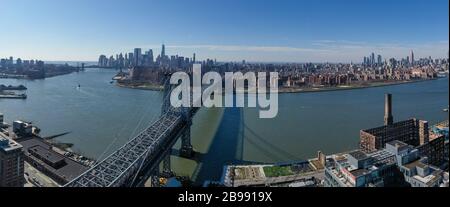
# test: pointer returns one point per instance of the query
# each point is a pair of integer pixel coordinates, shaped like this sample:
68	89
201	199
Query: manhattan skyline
286	31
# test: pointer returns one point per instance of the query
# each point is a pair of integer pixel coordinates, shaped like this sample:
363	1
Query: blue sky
229	30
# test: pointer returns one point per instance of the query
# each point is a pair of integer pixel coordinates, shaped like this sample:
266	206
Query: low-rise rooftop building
419	174
359	169
415	169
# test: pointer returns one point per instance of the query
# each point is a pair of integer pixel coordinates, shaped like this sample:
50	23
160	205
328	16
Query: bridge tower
166	96
167	170
186	146
155	179
187	151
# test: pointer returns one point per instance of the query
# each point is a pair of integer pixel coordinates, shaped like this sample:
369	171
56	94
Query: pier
13	96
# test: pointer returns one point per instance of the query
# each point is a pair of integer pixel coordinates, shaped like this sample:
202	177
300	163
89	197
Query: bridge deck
124	163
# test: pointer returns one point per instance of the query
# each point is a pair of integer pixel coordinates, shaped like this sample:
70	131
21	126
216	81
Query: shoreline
329	89
297	90
25	77
141	87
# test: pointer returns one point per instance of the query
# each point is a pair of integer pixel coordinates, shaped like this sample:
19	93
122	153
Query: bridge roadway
140	156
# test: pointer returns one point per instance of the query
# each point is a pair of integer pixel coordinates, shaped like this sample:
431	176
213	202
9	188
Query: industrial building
21	128
406	131
412	132
11	163
41	156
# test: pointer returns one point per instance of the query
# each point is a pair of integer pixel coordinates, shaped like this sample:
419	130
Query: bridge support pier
167	170
186	151
155	179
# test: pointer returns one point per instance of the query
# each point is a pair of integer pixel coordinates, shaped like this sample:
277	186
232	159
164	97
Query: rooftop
7	145
71	170
340	157
359	172
358	155
398	144
343	167
383	157
381	130
417	163
45	153
429	179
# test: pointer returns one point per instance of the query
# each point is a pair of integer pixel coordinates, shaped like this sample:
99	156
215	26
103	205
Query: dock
13	96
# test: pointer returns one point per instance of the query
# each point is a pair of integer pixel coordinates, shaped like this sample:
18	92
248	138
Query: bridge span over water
139	159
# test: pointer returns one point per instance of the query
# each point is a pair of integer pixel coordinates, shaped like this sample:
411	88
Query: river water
101	117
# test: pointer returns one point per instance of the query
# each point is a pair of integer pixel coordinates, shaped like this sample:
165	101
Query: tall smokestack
388	119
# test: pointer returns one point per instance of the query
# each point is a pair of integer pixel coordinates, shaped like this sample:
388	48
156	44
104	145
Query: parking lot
34	178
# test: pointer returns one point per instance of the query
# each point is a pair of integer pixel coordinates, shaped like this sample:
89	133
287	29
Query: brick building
412	132
11	163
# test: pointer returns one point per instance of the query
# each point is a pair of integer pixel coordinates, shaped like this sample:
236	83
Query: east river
101	117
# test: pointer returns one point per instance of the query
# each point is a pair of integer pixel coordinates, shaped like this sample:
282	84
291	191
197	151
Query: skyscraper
372	59
379	61
150	56
130	59
412	58
121	61
163	58
102	61
163	51
137	56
